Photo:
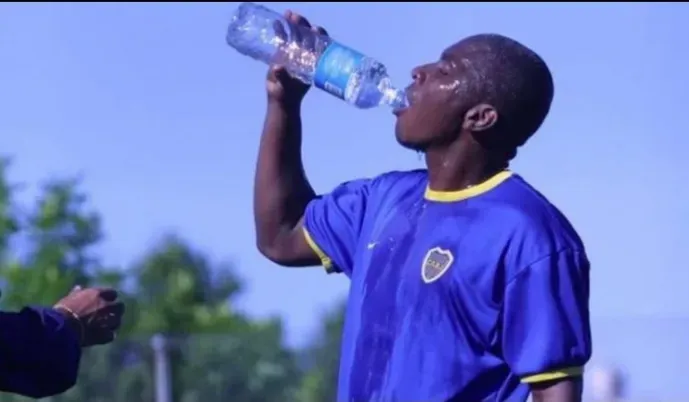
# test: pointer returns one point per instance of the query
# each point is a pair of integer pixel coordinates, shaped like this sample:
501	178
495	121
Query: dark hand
282	88
94	312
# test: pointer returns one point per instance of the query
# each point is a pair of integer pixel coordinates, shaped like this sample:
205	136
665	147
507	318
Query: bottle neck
393	97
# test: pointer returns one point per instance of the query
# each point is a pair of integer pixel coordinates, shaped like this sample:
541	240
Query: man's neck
458	167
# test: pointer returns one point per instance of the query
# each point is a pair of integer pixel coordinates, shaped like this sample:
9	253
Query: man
466	283
41	347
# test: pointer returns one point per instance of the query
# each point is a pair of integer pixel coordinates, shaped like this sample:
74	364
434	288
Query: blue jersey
455	296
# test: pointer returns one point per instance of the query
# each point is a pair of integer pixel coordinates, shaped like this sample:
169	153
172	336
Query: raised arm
281	190
294	227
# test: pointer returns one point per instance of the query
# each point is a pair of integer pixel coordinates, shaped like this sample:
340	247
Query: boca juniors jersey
455	296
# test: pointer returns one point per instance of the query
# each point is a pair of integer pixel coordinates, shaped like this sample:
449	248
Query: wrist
73	322
284	106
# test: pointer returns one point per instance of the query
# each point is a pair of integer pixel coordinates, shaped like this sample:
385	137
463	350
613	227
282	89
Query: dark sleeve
39	353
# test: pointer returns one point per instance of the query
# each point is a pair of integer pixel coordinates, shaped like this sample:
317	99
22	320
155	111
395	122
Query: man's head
487	88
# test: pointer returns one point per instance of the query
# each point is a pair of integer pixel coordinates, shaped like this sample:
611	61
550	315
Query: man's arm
293	226
565	390
39	352
281	190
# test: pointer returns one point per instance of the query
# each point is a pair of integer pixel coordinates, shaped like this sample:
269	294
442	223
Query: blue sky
163	119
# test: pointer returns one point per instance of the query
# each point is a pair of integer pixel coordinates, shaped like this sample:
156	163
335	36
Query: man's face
437	99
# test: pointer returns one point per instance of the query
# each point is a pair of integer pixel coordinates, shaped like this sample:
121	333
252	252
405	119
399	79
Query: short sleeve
332	224
546	330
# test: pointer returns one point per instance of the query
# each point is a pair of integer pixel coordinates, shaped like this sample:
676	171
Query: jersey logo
436	262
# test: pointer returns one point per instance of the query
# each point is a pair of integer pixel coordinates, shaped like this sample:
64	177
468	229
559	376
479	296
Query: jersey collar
473	191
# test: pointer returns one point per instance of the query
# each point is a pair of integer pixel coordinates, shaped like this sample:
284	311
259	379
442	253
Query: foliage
216	353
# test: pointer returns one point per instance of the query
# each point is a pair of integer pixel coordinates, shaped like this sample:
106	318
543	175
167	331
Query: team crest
436	262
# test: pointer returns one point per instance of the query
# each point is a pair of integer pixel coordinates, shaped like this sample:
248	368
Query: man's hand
94	313
283	89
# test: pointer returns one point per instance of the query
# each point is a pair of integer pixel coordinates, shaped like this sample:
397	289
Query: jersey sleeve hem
326	261
553	375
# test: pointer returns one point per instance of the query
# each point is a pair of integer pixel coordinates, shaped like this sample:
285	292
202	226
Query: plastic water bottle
267	36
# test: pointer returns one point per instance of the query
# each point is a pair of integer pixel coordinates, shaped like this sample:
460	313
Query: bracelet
75	317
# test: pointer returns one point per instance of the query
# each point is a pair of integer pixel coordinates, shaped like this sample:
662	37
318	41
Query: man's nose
418	75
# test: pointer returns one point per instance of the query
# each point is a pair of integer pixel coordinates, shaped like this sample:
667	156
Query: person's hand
95	313
282	88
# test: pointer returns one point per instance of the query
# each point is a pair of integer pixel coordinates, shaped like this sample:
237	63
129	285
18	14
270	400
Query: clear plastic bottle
267	36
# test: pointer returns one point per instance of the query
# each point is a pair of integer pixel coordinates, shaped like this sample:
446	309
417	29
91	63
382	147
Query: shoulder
534	228
398	186
393	184
401	179
373	194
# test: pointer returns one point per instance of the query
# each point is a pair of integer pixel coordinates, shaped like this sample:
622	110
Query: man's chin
417	146
404	134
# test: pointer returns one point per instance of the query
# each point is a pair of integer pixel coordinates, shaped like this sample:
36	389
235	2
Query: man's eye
444	68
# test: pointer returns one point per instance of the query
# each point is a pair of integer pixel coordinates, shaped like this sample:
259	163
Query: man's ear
481	117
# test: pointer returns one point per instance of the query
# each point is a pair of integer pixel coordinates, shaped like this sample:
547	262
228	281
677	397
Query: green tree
319	383
218	354
46	248
9	223
55	237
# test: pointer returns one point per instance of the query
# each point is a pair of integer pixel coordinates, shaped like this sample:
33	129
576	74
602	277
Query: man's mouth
410	102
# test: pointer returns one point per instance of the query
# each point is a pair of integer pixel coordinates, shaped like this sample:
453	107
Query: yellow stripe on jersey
554	375
325	260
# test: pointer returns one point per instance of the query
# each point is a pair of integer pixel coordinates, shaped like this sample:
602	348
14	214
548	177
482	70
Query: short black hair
512	78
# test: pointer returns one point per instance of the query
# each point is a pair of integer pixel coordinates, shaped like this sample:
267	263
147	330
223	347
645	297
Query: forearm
281	190
39	353
566	390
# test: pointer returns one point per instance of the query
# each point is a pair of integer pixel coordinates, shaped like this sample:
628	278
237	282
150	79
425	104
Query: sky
162	120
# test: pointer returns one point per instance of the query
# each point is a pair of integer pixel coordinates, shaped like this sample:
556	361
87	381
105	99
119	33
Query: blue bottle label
334	67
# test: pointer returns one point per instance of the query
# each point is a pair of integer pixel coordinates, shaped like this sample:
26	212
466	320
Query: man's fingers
320	30
106	324
320	44
112	324
280	31
108	294
107	318
298	28
115	309
276	73
105	337
276	70
298	23
297	19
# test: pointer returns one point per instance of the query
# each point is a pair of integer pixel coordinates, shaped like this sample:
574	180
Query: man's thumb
279	72
75	289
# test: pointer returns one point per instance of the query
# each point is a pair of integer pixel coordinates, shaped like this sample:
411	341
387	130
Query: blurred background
129	134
